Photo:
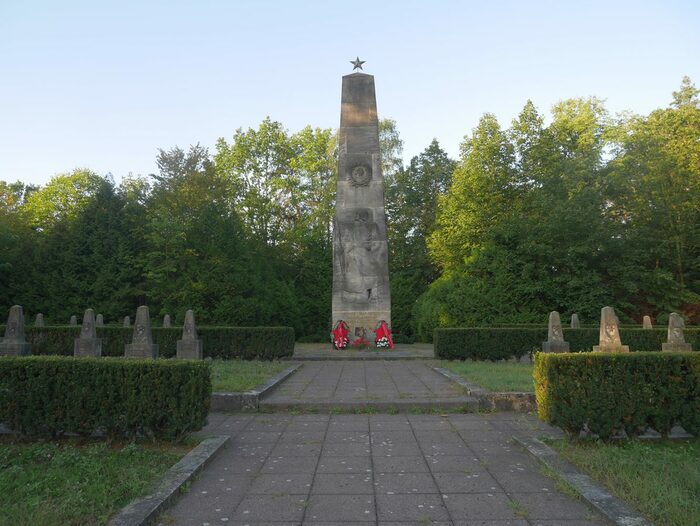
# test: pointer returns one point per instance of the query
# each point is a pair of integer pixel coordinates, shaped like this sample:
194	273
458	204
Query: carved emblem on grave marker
610	331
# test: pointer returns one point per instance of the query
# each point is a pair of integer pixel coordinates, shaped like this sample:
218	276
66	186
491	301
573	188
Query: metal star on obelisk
357	63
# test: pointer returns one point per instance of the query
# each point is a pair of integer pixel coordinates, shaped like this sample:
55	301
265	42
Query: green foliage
51	395
486	343
503	343
411	202
614	392
659	478
72	483
655	179
226	343
570	216
250	343
501	377
62	198
569	213
235	376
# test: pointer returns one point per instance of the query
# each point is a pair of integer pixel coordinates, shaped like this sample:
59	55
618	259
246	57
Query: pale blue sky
104	84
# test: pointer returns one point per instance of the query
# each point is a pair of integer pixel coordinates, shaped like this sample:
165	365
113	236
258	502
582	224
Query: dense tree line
581	212
576	214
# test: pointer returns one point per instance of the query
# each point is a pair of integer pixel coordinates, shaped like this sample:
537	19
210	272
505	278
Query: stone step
407	405
321	351
335	355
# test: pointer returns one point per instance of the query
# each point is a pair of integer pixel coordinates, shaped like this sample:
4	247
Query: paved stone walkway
323	351
389	470
355	384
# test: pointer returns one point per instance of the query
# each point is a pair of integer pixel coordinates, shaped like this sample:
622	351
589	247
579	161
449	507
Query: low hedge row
487	343
246	343
52	395
611	392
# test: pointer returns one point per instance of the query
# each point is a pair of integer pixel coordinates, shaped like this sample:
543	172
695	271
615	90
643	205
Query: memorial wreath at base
339	335
382	338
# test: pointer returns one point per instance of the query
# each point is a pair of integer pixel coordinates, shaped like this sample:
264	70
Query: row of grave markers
88	344
99	321
609	338
576	323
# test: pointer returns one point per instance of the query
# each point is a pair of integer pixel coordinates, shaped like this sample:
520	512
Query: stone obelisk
360	252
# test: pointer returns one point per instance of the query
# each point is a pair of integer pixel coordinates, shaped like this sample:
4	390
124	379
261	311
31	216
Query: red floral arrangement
382	338
360	343
339	335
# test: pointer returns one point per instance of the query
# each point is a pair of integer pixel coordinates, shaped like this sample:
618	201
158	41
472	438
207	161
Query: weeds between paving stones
518	509
560	484
166	519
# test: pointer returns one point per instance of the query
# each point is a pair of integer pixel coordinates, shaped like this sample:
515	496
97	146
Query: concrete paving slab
405	483
343	484
392	470
421	507
324	508
383	385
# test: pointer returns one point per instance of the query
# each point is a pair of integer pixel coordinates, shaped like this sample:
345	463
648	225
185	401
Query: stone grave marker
676	339
646	323
189	348
166	321
14	343
39	320
73	321
555	335
141	345
575	323
609	340
99	321
88	344
127	321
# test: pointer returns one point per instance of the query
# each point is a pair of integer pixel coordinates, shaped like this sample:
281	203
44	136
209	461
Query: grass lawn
661	479
71	482
495	376
234	376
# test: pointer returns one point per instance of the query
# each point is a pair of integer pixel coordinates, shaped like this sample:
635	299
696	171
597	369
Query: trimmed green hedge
246	343
611	392
486	343
52	395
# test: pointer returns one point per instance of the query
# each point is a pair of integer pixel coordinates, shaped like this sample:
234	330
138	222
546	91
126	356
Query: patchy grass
661	479
235	376
71	482
495	376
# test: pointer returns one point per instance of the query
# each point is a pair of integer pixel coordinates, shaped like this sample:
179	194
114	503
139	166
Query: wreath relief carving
360	175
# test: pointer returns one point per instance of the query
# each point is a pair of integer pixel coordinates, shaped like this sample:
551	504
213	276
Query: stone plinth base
620	348
85	347
555	347
362	323
189	350
15	349
677	347
132	350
